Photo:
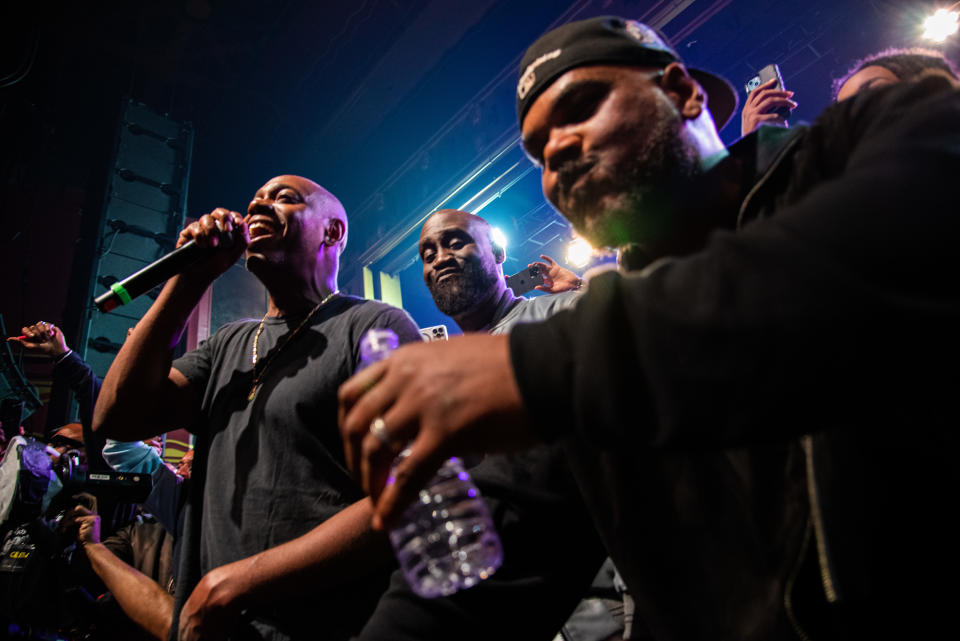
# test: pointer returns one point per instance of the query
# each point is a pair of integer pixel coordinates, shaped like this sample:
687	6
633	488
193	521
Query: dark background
387	103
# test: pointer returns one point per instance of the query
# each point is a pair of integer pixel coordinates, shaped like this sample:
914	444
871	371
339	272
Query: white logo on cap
529	76
644	35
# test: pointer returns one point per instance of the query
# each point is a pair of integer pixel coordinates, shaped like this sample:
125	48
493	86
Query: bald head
450	218
297	232
293	216
324	205
462	266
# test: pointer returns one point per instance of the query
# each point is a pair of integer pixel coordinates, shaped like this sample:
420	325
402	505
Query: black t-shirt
273	467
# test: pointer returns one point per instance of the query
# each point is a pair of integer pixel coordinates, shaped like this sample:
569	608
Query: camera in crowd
77	479
40	484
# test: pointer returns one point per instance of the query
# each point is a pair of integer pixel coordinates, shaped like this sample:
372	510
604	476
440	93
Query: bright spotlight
497	235
579	252
940	25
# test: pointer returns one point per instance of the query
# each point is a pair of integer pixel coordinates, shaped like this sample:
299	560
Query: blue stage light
499	237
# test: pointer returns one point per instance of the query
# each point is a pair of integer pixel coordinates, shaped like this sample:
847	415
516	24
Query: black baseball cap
609	40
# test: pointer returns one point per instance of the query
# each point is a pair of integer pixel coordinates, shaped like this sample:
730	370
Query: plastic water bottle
445	540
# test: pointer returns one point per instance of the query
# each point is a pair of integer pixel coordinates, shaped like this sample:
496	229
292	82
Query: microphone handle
150	276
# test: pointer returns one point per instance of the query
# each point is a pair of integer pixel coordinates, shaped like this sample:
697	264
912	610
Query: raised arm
142	395
139	596
46	339
43	339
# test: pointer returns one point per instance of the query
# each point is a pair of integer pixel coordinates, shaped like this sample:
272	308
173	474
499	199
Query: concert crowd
738	430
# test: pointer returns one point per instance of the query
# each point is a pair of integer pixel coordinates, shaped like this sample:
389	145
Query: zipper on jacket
826	576
791	579
757	186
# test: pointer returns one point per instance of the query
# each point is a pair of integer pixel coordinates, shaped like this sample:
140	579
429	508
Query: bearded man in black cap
808	322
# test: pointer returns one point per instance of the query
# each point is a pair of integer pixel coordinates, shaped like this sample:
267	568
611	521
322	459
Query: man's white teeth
260	228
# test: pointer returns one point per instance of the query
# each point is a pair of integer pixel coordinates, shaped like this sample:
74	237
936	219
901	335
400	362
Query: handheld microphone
156	273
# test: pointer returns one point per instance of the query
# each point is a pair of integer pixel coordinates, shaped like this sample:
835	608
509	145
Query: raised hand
42	338
556	279
761	105
210	230
444	399
87	522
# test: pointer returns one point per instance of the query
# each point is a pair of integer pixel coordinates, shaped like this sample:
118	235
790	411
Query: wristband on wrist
63	356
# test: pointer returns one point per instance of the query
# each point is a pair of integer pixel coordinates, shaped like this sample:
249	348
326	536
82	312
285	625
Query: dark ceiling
390	104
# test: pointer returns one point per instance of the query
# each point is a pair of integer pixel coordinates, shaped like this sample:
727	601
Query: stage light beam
941	25
579	252
497	235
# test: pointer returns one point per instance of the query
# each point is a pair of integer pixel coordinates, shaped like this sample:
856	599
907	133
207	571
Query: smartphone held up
768	73
525	280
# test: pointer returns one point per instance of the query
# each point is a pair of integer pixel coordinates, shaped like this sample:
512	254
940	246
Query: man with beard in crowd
277	541
551	551
817	324
463	269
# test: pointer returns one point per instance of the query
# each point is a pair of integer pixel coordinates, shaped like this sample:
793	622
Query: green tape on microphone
121	293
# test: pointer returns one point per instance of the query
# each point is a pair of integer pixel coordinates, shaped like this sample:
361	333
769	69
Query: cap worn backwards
609	40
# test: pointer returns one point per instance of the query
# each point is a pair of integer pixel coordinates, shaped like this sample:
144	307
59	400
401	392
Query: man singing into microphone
276	534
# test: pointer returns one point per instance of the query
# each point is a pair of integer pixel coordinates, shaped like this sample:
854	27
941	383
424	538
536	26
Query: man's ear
336	230
685	92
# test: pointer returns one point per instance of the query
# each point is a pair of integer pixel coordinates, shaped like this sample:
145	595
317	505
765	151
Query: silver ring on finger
378	427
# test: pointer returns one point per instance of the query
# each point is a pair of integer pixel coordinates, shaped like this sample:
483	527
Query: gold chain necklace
256	344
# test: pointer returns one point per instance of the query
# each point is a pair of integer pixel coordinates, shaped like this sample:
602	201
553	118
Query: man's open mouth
260	226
